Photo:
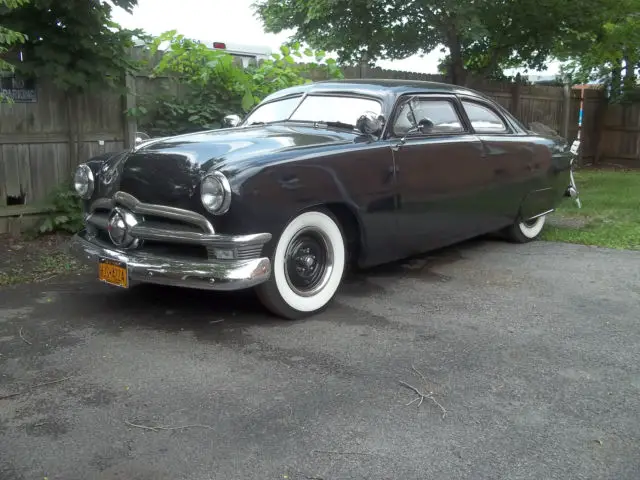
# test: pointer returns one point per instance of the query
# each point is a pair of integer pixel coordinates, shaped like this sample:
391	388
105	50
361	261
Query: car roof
375	87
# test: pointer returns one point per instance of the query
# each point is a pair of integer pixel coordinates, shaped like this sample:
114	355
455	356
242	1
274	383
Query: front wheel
307	266
526	231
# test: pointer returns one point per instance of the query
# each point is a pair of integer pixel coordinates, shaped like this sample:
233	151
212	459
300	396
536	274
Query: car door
509	154
441	176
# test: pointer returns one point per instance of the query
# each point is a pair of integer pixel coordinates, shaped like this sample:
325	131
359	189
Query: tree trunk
457	74
616	80
629	72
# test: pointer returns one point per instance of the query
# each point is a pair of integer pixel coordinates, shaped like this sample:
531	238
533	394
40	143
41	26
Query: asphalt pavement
527	358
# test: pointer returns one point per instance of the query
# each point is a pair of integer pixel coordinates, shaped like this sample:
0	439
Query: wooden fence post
72	131
130	122
566	105
516	90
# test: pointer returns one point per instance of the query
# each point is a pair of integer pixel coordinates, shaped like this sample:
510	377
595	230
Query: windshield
315	108
273	111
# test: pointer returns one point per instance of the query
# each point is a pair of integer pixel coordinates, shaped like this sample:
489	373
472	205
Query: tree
481	36
73	42
609	52
9	37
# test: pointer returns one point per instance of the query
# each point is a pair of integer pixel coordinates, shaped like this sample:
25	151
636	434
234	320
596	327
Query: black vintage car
314	178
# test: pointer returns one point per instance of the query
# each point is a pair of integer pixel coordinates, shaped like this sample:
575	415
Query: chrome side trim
541	214
146	268
136	206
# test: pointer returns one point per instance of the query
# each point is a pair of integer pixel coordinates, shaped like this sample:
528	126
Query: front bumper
225	275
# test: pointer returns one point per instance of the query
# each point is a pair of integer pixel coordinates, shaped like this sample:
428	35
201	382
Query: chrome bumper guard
203	274
572	190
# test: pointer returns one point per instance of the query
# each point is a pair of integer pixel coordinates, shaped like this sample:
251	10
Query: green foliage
67	212
609	51
73	42
483	36
8	38
209	84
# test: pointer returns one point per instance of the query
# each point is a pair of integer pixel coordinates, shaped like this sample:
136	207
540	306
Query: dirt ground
24	259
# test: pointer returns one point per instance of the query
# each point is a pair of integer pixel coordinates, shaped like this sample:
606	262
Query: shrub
208	84
67	212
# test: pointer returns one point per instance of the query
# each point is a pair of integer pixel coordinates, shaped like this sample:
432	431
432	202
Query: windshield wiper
265	123
344	125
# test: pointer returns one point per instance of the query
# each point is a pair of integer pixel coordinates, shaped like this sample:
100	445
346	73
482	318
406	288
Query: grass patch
610	213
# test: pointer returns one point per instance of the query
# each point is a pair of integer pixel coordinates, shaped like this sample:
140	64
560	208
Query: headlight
83	181
215	193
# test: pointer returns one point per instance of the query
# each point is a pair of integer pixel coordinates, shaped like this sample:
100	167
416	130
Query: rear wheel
526	231
307	266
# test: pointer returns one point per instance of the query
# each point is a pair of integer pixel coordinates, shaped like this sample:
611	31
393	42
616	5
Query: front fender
267	201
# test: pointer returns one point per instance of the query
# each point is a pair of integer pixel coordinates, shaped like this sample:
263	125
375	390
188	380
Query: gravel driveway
532	350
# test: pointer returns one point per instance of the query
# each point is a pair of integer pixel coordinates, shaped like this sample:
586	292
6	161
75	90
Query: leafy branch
200	85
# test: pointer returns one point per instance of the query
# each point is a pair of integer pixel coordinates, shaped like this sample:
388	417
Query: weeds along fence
46	133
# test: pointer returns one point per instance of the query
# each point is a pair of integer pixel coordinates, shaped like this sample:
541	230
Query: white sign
575	147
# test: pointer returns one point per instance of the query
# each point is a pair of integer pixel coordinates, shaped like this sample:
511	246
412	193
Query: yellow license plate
113	272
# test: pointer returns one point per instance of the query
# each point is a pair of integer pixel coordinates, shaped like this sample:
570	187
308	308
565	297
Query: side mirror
231	121
425	125
141	137
370	124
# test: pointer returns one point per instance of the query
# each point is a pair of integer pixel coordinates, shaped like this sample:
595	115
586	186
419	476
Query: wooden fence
44	136
42	141
611	132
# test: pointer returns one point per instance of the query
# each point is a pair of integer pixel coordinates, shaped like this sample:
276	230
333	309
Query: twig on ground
334	452
47	278
421	395
424	379
167	427
10	395
24	339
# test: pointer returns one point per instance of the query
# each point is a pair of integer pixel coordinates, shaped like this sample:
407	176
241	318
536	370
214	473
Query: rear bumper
145	268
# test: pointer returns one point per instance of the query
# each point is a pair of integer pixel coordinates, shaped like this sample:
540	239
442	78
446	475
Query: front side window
315	108
483	119
439	116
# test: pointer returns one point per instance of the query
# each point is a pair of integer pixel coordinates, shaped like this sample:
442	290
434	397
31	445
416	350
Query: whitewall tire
308	263
523	232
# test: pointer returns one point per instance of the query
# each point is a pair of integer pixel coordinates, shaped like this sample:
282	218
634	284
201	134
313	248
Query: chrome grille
173	231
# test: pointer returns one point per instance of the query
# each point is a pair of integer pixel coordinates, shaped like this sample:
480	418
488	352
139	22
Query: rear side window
483	119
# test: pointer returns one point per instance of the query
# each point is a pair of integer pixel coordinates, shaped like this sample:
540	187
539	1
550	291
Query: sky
234	21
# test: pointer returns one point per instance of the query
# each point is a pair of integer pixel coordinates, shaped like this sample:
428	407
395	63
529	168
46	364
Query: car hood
234	144
169	170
